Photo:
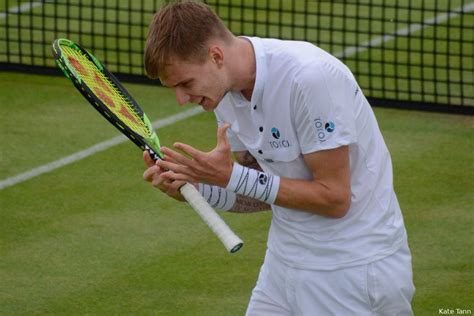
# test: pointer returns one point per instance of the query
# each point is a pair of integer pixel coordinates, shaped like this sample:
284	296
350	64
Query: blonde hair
181	29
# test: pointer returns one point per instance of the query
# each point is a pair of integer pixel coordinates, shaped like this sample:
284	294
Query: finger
169	158
160	182
175	167
180	177
148	161
175	157
173	190
189	150
222	136
148	175
169	187
150	172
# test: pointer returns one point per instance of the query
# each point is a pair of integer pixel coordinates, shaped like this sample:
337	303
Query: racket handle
230	240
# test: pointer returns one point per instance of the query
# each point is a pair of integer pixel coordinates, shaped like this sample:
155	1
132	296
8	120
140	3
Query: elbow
340	205
340	211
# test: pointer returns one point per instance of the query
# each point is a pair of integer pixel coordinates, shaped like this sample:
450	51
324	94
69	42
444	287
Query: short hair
181	29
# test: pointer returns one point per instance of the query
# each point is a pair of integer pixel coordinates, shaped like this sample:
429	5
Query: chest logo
275	133
277	142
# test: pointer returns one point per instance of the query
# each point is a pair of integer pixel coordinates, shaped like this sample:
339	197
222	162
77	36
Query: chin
208	108
208	105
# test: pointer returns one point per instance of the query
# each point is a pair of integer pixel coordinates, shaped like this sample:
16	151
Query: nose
181	96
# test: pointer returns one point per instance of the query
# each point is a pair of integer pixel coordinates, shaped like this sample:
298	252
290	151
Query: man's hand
154	175
214	167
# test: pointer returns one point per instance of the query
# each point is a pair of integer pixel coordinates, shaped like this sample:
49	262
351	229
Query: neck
243	69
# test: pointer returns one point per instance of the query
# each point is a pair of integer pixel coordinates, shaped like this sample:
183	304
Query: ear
216	55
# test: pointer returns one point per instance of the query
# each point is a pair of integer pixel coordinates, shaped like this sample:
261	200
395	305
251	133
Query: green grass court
94	238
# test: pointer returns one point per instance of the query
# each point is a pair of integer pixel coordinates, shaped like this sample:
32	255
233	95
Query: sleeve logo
330	127
323	128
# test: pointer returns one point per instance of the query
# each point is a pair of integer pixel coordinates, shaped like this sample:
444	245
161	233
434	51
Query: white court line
412	28
27	6
120	139
92	150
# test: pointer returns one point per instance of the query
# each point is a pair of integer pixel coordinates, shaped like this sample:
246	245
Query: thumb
222	135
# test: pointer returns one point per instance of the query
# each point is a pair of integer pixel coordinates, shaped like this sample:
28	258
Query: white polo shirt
305	100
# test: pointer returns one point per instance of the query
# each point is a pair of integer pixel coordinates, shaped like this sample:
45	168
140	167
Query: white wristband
254	184
217	197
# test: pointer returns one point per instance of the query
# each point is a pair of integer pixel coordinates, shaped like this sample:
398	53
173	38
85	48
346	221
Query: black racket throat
153	155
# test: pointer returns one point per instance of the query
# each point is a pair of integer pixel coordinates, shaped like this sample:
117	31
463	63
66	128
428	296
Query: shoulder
290	53
326	72
288	46
302	61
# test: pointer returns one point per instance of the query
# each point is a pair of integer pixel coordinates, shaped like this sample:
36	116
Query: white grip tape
230	240
217	197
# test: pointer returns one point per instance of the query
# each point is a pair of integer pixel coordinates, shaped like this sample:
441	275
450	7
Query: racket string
105	90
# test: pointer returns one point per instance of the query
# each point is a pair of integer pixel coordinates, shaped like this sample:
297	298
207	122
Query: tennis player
307	145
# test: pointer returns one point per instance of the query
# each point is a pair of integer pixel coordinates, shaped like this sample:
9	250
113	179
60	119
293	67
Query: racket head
106	94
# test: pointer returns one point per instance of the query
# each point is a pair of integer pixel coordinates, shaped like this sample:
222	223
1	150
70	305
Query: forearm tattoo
245	204
246	159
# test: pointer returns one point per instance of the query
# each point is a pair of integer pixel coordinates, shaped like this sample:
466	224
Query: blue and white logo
330	127
278	143
275	133
262	178
323	128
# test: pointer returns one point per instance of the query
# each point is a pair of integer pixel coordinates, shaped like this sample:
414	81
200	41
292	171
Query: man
337	243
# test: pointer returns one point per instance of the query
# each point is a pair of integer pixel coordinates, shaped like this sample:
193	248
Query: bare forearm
308	196
314	197
327	194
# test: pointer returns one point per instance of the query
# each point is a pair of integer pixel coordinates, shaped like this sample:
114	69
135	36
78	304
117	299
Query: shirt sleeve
325	107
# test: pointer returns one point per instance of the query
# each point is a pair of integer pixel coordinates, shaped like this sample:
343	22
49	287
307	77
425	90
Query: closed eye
187	84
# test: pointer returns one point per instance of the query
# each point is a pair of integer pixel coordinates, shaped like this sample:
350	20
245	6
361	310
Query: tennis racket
105	93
